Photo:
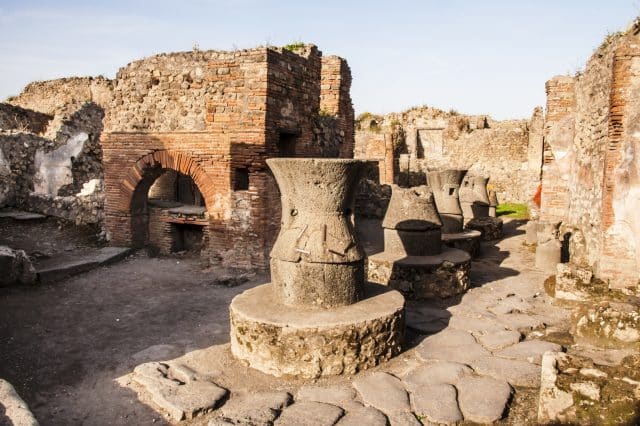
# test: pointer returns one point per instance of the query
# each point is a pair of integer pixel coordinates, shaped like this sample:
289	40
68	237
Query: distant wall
503	150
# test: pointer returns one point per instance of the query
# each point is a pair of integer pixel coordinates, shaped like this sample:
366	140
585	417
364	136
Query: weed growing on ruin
10	98
291	47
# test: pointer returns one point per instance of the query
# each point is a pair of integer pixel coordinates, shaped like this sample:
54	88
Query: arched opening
168	212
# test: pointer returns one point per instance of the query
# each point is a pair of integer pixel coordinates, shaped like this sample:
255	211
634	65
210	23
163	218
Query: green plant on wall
294	46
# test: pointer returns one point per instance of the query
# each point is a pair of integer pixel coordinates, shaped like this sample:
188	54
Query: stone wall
432	138
590	180
24	120
216	116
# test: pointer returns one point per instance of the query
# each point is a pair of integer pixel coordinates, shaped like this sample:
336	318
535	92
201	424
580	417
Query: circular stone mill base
467	240
422	277
279	340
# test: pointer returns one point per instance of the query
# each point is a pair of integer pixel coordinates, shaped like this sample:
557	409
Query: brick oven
187	135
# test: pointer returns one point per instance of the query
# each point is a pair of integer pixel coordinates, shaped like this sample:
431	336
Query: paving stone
499	339
384	392
530	350
437	402
520	322
180	391
405	418
360	415
336	394
310	413
511	305
516	372
451	345
483	399
435	373
255	409
479	323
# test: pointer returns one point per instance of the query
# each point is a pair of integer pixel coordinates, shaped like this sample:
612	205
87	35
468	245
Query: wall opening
286	144
241	179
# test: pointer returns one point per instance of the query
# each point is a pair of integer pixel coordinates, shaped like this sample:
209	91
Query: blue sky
479	57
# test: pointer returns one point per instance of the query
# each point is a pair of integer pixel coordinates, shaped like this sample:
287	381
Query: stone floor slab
310	413
451	345
435	373
255	408
384	392
483	399
335	394
437	402
499	339
530	350
362	415
516	372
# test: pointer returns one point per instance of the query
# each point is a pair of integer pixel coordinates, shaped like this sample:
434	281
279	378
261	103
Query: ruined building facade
184	140
591	172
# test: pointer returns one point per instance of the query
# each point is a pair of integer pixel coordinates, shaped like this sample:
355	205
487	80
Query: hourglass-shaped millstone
411	223
317	259
446	185
474	197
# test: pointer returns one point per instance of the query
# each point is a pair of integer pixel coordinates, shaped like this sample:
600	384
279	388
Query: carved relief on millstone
474	198
412	224
446	186
317	259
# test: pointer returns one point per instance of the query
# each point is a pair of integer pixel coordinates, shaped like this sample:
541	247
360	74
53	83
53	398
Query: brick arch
165	159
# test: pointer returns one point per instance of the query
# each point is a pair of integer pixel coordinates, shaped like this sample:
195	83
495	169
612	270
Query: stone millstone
279	340
422	277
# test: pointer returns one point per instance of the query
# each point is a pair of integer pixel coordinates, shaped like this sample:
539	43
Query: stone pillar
388	175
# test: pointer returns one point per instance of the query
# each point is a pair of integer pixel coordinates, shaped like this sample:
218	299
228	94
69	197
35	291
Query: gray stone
310	413
435	373
483	399
511	305
500	339
530	350
255	409
384	392
437	402
516	372
16	268
553	402
362	415
178	390
335	394
451	345
14	408
520	322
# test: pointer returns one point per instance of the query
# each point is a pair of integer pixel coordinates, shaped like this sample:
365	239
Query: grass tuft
513	210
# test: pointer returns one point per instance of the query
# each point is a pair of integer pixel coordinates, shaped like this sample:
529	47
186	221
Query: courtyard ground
64	345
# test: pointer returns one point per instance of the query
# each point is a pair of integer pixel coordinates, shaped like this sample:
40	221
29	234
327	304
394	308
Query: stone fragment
483	399
255	409
530	350
362	415
310	413
553	402
516	372
384	392
14	409
498	340
435	373
593	372
180	391
16	268
437	402
335	394
588	389
451	345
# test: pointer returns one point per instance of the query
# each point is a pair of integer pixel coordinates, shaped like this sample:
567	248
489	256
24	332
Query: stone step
65	265
21	215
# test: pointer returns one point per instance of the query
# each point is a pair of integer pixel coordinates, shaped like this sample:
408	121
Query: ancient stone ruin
316	317
216	233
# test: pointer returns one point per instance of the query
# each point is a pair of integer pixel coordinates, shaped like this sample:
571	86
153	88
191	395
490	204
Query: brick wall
217	116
